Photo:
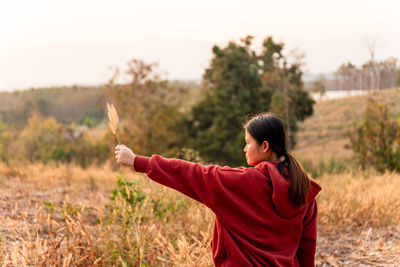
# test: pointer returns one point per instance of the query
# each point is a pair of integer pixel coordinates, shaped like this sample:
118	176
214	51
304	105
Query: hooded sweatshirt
256	223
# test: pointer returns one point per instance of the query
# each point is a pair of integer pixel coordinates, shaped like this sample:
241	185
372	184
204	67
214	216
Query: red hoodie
256	223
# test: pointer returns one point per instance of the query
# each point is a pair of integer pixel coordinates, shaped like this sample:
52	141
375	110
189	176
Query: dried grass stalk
113	120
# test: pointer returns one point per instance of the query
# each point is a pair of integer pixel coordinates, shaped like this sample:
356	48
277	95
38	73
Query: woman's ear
265	146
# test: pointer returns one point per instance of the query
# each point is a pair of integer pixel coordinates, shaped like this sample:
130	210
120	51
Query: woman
265	216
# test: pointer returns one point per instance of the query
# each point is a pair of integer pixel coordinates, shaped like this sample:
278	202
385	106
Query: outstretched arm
192	179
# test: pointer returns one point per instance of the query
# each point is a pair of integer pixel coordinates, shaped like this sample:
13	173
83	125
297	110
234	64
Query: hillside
324	136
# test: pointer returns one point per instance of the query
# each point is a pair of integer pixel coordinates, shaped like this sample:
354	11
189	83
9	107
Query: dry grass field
62	215
358	221
58	215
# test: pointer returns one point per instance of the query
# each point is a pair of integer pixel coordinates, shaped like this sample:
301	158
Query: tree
44	140
5	139
376	141
388	69
347	74
152	118
318	86
374	72
240	82
398	77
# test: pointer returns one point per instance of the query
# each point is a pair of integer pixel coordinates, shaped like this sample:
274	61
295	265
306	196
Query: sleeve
308	242
192	179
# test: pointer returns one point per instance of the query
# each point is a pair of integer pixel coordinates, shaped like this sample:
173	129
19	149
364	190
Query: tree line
74	104
372	75
179	119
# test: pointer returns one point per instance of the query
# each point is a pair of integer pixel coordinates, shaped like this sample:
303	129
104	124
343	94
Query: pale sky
67	42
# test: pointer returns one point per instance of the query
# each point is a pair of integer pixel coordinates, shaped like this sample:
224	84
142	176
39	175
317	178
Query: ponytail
269	127
298	178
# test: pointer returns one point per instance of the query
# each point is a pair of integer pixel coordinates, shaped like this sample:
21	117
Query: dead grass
362	200
76	228
358	218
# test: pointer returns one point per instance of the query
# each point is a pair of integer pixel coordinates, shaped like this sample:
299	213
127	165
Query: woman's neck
272	157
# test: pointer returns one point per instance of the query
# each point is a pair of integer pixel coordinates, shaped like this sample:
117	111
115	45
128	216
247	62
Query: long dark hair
269	127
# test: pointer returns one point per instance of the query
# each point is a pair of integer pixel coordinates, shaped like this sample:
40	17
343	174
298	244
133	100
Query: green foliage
151	110
133	216
92	117
132	194
37	125
47	140
166	210
71	210
5	139
127	213
65	210
49	205
129	191
87	150
44	140
376	141
325	165
240	82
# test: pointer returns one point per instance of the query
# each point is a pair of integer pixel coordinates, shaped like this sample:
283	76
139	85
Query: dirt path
357	246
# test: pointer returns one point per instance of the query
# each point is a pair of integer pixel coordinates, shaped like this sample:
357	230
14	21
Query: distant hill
74	104
66	104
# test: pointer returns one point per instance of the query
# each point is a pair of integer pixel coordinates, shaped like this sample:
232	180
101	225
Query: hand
124	155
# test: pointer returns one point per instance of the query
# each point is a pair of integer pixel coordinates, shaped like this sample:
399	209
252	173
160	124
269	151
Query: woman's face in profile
254	152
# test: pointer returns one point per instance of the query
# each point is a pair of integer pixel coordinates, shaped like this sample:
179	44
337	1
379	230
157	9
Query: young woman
265	215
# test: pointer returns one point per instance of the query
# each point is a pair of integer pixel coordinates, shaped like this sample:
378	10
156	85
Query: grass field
59	214
62	215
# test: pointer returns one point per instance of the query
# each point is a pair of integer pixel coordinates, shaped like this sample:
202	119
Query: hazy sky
59	42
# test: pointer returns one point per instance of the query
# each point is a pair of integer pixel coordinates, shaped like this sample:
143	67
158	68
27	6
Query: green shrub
376	141
129	191
44	139
128	212
86	150
5	139
325	165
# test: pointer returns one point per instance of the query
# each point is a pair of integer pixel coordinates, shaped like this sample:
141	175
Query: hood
280	190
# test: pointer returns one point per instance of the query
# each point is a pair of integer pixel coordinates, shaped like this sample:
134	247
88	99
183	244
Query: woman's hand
124	155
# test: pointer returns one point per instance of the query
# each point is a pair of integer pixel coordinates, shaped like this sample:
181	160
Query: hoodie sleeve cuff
141	164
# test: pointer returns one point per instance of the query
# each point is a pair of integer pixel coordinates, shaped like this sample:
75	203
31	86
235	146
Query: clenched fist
124	155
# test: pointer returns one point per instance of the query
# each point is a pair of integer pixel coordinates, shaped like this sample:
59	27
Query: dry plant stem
118	140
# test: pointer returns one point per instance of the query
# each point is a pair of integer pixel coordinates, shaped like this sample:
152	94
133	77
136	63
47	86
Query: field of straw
63	215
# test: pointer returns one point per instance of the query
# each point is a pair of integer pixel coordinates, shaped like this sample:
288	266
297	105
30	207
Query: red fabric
256	224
